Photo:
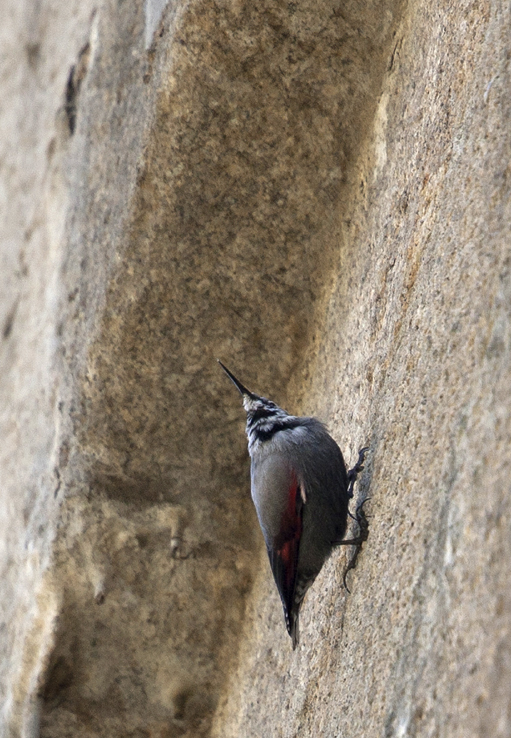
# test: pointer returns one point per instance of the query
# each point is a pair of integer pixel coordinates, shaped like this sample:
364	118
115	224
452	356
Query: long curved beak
240	387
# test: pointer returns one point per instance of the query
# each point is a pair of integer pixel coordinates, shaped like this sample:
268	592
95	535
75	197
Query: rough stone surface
318	194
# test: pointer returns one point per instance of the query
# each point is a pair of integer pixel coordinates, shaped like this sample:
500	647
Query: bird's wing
278	494
283	553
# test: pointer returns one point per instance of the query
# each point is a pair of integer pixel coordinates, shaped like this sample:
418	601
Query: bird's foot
353	473
363	533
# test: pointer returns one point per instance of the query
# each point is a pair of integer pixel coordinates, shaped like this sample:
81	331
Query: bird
301	491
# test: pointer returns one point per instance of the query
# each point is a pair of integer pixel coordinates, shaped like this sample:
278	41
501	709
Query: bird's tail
294	630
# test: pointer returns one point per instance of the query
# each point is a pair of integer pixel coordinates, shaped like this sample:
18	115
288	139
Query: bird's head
257	408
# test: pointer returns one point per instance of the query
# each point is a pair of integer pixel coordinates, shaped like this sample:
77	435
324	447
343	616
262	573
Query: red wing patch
287	544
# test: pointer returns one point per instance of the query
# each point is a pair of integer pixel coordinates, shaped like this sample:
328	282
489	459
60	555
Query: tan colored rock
319	195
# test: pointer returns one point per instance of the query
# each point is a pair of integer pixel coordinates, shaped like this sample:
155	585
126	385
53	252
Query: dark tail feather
292	615
294	630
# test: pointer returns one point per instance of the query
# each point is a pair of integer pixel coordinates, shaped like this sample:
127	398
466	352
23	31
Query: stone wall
318	193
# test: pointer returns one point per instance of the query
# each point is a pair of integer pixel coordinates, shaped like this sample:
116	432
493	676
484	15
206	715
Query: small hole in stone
143	540
180	701
59	678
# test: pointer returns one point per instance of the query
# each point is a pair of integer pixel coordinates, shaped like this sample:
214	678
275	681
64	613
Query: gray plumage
301	492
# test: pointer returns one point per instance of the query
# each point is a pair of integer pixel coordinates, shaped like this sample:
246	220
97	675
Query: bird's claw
363	534
353	473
